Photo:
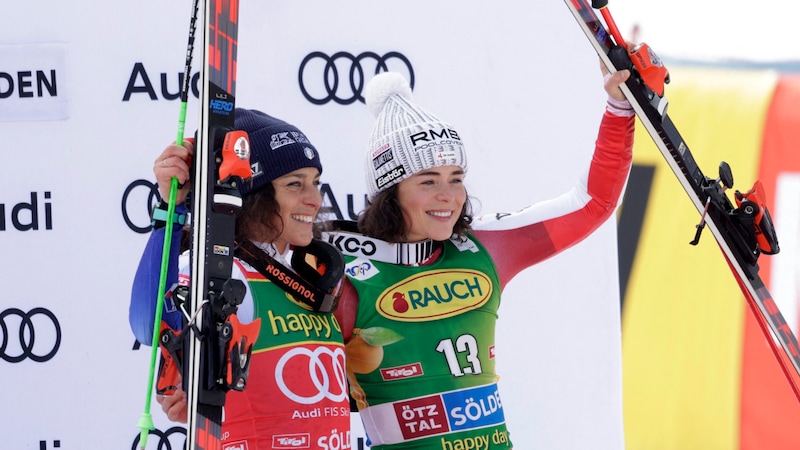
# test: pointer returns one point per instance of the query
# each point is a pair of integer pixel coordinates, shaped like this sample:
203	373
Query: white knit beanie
406	138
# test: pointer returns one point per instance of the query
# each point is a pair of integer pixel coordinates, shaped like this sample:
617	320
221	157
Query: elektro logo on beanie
276	147
406	138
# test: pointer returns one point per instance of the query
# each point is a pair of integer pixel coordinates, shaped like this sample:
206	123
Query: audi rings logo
172	439
342	76
35	335
144	194
330	383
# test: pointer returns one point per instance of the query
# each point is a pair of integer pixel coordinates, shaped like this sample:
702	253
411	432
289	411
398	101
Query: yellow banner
683	313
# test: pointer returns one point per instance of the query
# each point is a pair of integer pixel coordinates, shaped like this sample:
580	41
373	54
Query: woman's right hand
611	82
175	161
174	405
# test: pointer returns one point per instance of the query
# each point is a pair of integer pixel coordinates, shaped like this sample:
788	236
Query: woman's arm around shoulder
347	310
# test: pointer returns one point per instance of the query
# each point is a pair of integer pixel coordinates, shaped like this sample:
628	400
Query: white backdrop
517	79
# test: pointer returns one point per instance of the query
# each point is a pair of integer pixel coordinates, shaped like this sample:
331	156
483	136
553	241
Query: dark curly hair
255	219
383	218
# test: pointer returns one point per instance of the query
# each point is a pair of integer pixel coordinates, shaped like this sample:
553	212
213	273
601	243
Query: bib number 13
465	344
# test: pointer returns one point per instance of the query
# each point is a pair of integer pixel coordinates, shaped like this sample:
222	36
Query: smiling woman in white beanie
424	278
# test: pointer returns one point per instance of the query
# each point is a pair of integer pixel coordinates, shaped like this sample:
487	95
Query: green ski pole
146	420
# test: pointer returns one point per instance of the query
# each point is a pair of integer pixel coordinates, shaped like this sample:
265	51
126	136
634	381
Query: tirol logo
435	295
402	372
238	445
299	440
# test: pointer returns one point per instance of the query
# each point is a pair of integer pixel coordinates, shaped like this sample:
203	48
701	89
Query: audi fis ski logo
144	192
331	386
173	438
321	76
19	331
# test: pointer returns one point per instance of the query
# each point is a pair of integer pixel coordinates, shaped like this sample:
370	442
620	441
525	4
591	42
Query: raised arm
524	238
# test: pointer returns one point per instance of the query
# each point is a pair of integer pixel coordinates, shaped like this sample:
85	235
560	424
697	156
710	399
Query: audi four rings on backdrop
25	332
321	81
319	74
153	197
173	438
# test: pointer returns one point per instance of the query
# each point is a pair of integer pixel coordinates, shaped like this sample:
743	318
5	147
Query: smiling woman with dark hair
283	403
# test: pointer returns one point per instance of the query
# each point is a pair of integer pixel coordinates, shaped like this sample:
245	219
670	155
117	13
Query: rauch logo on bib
435	295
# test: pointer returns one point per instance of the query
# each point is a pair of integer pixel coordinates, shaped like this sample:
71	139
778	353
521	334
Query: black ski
743	231
211	344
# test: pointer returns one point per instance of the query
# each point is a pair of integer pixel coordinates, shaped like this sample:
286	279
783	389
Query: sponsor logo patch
435	295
